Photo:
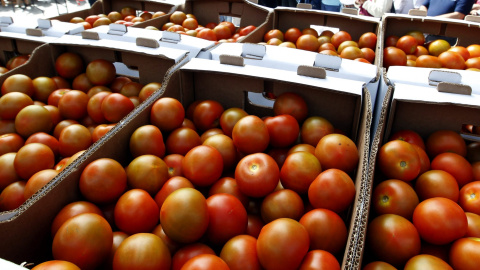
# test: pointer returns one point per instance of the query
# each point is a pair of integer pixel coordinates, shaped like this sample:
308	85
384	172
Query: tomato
225	147
399	160
187	252
282	244
332	189
56	265
74	138
69	65
391	41
116	106
474	50
282	203
17	61
37	181
131	89
202	165
407	44
181	140
222	32
250	135
84	240
18	83
73	105
100	130
8	174
240	252
319	259
10	142
420	38
274	33
462	51
340	37
302	147
283	130
425	261
393	239
292	104
12	196
73	209
205	262
7	126
307	42
32	119
378	265
229	118
451	60
368	40
147	140
255	225
257	175
327	47
82	83
32	158
148	90
473	225
100	72
299	170
167	114
337	151
409	136
352	53
12	103
393	56
142	250
207	34
437	183
103	181
147	172
456	165
369	54
207	114
43	87
473	62
438	46
428	61
470	197
394	197
184	215
465	253
136	211
440	220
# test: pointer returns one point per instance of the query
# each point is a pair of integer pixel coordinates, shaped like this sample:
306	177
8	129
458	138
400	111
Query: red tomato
473	225
332	189
470	197
10	142
116	106
73	105
100	72
282	244
38	181
378	265
393	239
368	40
407	44
136	211
425	261
440	220
283	130
437	183
32	158
292	104
240	252
299	170
315	128
207	114
319	259
18	83
250	135
428	61
147	140
103	181
147	172
12	196
452	60
12	103
337	151
282	203
229	118
174	163
32	119
8	175
292	34
170	186
207	34
225	147
100	130
69	65
187	252
456	165
393	56
56	264
424	159
167	114
257	175
205	262
399	160
394	197
445	141
171	245
74	138
47	139
465	253
142	250
202	165
391	41
184	215
409	136
340	37
181	140
71	210
274	33
84	240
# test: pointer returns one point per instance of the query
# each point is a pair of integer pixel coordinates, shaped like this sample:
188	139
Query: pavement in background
43	9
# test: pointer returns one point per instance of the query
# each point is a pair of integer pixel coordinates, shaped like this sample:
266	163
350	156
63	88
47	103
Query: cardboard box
195	46
23	36
242	12
106	6
423	100
344	102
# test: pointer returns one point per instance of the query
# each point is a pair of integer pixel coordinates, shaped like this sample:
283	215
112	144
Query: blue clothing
439	7
330	7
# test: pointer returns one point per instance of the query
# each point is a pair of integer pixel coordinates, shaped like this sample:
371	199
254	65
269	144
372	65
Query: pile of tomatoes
426	205
218	188
327	42
411	50
127	16
45	121
187	24
14	62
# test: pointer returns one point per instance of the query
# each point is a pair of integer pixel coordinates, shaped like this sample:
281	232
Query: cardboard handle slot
34	32
470	132
234	60
351	11
253	51
328	62
417	12
304	5
259	99
44	24
454	88
437	76
147	42
310	71
90	35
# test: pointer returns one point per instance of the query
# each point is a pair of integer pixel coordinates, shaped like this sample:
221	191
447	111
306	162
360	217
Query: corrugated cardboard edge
34	32
454	88
235	60
304	5
356	237
351	11
311	71
147	42
417	12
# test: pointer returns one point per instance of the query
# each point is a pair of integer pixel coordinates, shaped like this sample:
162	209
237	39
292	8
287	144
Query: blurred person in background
375	8
447	8
476	8
330	5
403	6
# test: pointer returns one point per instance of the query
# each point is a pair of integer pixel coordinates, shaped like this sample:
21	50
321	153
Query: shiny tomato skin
394	197
283	203
10	143
407	44
84	240
250	135
38	181
74	138
167	114
283	130
100	72
315	128
409	136
207	114
378	265
229	118
147	172
292	104
202	165
240	253
437	183
69	65
136	211
71	210
392	239
394	57
142	251
440	220
445	141
12	196
116	106
425	261
368	40
32	158
456	165
299	170
465	253
56	265
205	262
189	251
147	139
226	148
337	151
181	140
473	225
228	185
399	160
282	244
171	245
319	259
257	175
470	197
8	175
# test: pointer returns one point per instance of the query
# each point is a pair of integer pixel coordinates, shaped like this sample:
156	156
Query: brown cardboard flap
352	11
454	88
147	42
34	32
304	5
231	60
90	35
472	18
417	12
311	71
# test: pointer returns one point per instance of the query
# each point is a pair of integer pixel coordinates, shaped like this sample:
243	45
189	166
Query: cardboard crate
345	102
23	36
242	12
414	99
107	6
